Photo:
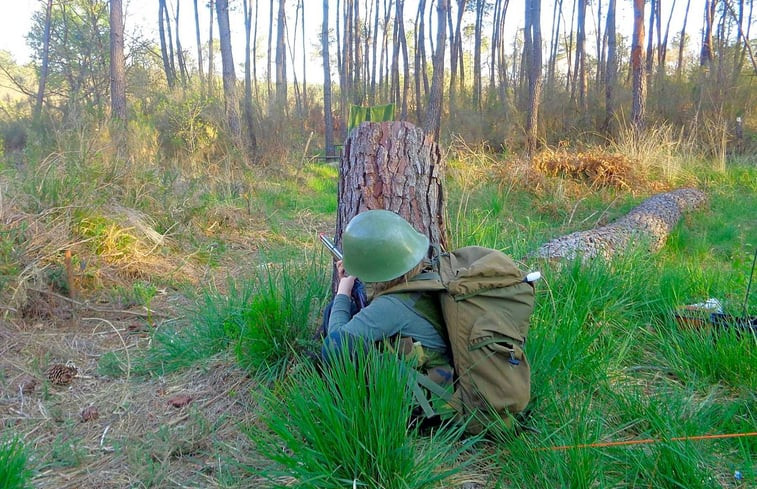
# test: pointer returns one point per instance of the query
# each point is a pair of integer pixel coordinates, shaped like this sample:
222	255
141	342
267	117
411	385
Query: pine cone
60	374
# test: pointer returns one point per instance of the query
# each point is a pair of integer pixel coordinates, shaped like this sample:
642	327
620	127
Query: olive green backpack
486	303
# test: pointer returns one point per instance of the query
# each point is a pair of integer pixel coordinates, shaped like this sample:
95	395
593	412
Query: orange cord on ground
647	441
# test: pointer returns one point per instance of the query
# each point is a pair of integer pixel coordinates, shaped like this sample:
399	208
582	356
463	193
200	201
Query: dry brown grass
596	168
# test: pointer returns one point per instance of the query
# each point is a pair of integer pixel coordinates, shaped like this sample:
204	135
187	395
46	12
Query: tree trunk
248	109
405	65
328	121
649	223
433	121
393	166
229	76
170	74
579	72
419	47
705	56
612	69
200	68
554	42
682	42
533	30
211	67
477	35
117	69
281	69
46	60
454	50
268	70
649	61
180	52
638	85
374	41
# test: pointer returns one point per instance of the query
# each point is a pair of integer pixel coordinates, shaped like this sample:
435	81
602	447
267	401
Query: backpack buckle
512	360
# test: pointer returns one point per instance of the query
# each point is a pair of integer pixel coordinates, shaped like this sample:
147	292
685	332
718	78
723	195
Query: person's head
380	246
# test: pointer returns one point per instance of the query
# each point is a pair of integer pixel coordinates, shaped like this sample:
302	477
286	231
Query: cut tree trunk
647	224
393	166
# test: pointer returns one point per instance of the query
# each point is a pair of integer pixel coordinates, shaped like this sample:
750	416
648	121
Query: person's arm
377	321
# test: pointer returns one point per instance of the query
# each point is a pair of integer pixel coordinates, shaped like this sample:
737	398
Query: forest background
160	206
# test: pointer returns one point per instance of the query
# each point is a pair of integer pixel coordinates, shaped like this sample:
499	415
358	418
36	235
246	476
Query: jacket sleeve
376	321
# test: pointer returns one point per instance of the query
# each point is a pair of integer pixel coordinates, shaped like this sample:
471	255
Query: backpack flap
472	269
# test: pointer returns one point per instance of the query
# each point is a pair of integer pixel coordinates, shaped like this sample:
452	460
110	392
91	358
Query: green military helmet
380	245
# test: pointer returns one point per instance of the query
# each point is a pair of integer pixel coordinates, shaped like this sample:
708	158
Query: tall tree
611	68
200	68
433	121
682	42
211	66
419	66
532	36
328	121
477	36
281	63
229	76
248	110
705	56
638	83
117	69
45	59
180	51
579	71
165	49
456	53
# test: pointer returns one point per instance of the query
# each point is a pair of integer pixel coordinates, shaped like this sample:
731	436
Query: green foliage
264	319
349	428
14	471
11	250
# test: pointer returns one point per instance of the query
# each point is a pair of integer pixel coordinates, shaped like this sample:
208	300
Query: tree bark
454	50
477	35
611	68
433	121
229	75
682	42
579	72
180	51
533	34
170	73
705	56
45	60
249	118
649	224
211	66
117	69
638	84
200	68
281	70
393	166
328	120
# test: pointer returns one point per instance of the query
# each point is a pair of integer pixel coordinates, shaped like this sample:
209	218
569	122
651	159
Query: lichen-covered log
649	223
392	166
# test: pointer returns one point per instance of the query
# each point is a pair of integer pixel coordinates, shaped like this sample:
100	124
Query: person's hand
346	282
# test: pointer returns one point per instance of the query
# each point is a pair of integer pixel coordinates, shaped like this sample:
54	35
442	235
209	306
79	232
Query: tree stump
392	166
649	223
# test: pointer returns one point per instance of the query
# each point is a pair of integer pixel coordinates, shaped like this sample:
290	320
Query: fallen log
648	223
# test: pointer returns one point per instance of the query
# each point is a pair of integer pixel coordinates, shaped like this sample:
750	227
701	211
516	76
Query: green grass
14	460
349	428
265	319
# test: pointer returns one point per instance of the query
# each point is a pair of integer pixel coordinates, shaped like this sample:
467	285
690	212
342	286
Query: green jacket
386	316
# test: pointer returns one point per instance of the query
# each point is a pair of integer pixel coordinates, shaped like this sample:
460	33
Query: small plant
349	428
14	473
145	293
